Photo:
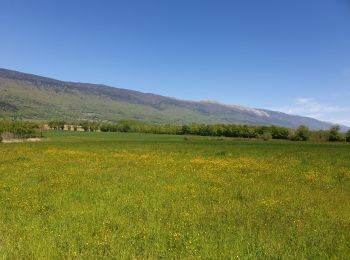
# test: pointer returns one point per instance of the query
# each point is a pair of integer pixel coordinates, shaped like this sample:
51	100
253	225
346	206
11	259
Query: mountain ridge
29	96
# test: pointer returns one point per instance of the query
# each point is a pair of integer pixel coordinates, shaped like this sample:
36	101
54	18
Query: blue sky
292	56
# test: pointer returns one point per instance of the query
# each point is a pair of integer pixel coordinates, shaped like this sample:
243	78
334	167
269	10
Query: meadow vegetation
124	195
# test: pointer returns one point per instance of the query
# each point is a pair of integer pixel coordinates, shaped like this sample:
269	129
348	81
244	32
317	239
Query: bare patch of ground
17	140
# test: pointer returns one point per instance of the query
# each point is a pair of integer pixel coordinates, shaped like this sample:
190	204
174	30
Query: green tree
51	124
334	134
186	130
279	132
348	136
61	125
302	133
85	126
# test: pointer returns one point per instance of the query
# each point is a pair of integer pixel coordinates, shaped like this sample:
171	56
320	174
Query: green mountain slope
29	96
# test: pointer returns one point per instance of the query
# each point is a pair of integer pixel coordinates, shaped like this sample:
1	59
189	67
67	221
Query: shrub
347	138
302	133
85	126
279	132
185	130
19	129
266	136
334	134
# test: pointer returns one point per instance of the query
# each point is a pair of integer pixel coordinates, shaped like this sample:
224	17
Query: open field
96	195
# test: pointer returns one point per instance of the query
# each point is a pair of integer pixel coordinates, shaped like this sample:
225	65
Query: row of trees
57	124
331	135
62	125
23	129
302	133
19	129
244	131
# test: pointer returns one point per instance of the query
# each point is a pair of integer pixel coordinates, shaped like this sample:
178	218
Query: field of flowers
103	195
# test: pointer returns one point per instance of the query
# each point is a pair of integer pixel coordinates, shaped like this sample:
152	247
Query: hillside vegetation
25	96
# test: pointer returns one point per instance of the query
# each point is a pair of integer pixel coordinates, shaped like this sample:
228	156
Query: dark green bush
334	134
347	137
302	133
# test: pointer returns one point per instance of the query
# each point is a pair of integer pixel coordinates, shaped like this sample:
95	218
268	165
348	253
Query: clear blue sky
292	56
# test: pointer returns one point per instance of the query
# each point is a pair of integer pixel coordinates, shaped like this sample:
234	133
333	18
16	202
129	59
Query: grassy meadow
116	195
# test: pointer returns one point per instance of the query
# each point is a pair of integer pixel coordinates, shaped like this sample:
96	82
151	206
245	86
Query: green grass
103	195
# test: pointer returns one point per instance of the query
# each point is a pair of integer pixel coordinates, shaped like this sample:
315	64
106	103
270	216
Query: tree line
302	133
62	125
25	129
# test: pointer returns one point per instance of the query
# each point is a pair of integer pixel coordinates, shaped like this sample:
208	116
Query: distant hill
28	96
